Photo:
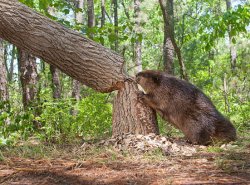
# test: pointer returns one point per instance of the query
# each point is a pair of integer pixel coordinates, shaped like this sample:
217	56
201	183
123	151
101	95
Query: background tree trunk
56	84
90	63
11	69
168	48
138	44
170	44
91	16
28	77
4	96
103	13
130	115
233	53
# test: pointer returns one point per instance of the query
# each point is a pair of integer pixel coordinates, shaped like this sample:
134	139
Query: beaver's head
149	80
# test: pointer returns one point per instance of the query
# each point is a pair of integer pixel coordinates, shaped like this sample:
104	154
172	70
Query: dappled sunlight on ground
199	169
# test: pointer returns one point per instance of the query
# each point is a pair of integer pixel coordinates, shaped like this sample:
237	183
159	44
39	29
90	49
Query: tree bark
28	77
4	95
82	59
130	115
233	53
170	44
138	44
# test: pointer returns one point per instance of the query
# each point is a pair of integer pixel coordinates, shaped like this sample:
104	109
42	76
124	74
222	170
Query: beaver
185	106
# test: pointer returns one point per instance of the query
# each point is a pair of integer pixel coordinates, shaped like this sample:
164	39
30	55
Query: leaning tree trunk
89	62
82	59
28	77
4	96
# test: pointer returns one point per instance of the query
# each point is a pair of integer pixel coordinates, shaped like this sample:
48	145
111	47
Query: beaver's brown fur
185	106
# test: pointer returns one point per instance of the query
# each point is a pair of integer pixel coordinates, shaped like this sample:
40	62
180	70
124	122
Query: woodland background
204	41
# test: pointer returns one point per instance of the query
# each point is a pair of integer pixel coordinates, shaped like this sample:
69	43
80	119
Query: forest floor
36	163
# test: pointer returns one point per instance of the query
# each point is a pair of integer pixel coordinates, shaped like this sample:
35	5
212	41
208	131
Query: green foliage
56	122
217	26
93	118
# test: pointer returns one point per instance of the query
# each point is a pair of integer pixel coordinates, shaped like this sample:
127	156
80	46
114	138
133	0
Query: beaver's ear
156	79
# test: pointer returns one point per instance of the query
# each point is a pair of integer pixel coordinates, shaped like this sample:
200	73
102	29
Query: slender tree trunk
168	48
233	53
138	43
4	95
28	77
79	15
130	115
170	44
91	16
56	84
116	23
103	13
11	70
82	59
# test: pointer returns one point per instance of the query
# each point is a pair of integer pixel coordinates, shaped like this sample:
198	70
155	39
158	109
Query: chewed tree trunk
81	58
130	115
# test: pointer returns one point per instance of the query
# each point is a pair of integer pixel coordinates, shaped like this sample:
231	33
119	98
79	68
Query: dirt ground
109	168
